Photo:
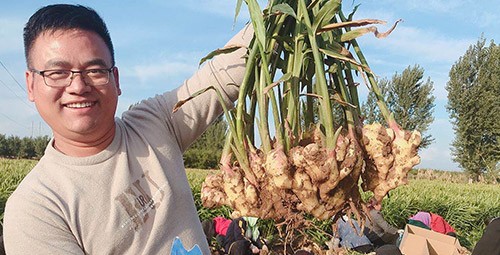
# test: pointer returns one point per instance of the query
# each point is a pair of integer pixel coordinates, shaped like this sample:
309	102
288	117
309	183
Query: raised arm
225	72
379	220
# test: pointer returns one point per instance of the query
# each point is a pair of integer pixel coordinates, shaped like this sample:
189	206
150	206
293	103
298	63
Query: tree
474	108
13	147
410	98
205	153
3	146
40	143
27	148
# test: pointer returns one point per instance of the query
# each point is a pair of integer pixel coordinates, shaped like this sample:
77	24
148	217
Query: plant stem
326	107
371	78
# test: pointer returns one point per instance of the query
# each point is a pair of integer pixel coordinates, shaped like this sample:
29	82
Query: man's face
80	112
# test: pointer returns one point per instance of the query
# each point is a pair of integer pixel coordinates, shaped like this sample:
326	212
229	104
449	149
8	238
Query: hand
254	249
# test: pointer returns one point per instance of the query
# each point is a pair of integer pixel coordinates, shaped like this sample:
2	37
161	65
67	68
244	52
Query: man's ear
30	85
116	76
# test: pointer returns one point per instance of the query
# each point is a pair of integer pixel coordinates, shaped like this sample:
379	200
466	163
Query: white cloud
486	19
439	79
223	8
423	45
434	52
441	6
219	7
472	11
163	70
438	154
371	13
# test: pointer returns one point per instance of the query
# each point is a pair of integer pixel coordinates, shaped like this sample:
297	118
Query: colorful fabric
423	217
221	225
418	224
440	225
431	221
179	249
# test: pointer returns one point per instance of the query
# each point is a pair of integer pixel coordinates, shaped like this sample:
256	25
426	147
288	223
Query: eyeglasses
63	78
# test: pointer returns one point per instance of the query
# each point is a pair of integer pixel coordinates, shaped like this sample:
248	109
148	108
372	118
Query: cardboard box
420	241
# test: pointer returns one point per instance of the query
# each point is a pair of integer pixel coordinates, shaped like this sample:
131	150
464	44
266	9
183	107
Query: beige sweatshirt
133	197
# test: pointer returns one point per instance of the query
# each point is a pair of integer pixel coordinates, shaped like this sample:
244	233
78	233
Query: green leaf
349	17
237	11
283	9
353	34
283	78
339	56
324	15
257	22
180	103
354	23
225	50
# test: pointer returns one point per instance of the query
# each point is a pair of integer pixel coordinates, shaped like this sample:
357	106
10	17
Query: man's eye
57	74
96	73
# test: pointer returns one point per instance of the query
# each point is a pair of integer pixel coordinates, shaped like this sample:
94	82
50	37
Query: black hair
63	17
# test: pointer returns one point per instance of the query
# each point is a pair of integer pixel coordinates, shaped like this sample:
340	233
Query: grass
11	173
465	206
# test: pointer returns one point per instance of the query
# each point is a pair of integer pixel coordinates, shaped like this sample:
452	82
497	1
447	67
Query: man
351	236
108	185
378	230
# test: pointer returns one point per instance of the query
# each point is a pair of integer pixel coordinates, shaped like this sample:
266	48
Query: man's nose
78	84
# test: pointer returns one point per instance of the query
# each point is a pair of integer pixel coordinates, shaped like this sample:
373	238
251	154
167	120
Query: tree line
26	147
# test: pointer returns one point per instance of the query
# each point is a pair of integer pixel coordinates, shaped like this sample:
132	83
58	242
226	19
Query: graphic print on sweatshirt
138	203
178	248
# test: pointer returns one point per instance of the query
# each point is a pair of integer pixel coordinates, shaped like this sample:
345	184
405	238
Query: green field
464	206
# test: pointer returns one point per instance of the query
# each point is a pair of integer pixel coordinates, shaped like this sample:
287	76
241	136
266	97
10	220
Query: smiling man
78	106
108	185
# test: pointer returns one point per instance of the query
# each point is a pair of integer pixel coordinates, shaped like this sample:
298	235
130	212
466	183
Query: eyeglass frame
83	73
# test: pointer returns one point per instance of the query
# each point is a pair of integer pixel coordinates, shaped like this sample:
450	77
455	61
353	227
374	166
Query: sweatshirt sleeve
33	228
224	73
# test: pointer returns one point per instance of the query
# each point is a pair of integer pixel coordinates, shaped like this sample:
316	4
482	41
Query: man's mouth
80	105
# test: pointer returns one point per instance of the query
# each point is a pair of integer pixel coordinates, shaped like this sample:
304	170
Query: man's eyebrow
57	63
96	62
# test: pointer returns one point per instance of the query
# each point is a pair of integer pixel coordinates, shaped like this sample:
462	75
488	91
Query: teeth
80	105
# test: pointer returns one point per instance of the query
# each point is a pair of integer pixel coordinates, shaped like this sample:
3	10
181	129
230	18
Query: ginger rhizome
297	144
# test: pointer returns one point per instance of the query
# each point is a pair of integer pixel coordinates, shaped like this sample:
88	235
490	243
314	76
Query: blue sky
159	43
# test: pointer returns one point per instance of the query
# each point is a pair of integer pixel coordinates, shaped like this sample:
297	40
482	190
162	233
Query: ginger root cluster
312	179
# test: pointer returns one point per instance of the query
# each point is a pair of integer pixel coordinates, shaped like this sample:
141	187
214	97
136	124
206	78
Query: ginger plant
311	149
